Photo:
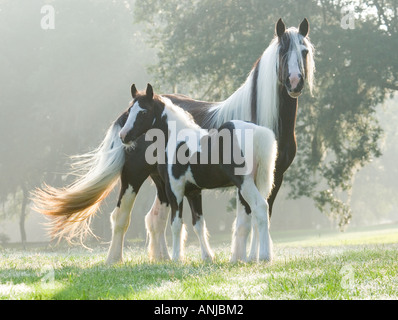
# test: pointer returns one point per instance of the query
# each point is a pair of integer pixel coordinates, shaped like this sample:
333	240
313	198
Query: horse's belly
209	176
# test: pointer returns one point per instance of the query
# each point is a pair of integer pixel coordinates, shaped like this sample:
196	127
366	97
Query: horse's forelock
292	41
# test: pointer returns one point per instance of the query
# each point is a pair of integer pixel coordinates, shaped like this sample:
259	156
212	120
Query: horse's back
197	108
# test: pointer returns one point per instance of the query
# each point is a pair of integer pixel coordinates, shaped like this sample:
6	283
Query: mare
268	98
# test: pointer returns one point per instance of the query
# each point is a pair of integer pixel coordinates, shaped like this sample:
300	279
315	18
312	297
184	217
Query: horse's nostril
122	136
300	85
295	82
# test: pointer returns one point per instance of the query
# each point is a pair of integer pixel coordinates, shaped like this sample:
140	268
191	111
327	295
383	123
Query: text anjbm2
213	310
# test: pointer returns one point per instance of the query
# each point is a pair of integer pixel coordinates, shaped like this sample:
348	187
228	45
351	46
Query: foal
191	159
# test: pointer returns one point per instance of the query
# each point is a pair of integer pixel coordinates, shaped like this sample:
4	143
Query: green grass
354	265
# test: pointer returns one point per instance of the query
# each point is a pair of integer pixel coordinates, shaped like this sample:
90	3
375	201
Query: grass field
360	264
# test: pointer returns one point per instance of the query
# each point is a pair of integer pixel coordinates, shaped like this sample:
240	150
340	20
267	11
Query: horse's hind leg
259	208
199	225
156	221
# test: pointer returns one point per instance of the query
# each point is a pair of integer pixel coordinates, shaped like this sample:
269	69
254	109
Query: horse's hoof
113	261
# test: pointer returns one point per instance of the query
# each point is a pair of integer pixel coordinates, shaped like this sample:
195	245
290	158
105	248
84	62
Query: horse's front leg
178	232
120	220
241	230
156	221
199	225
134	173
254	243
259	208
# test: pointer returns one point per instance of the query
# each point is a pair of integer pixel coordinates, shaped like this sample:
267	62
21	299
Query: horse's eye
144	111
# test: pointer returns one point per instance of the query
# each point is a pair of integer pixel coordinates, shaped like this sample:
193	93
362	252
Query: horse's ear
304	27
280	28
149	91
133	91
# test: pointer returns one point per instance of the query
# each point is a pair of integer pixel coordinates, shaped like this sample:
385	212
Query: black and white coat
245	158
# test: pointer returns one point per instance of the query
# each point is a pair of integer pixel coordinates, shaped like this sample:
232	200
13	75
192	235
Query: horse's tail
265	152
71	208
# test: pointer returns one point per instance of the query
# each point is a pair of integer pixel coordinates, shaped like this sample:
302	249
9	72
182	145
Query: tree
61	88
206	49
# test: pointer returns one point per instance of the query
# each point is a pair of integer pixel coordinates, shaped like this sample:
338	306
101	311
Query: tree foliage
206	49
61	88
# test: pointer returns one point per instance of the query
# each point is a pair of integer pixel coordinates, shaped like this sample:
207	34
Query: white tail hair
71	208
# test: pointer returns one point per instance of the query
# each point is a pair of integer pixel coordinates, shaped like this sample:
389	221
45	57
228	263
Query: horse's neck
179	121
287	117
180	125
181	129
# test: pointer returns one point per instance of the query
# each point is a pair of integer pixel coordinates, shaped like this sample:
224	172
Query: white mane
267	88
182	127
182	118
238	105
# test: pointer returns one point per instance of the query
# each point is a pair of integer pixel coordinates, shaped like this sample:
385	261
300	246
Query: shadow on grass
85	276
194	279
131	280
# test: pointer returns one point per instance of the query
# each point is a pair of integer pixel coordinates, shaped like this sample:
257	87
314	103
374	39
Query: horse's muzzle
294	85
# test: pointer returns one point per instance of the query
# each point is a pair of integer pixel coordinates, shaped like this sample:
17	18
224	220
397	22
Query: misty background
61	89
